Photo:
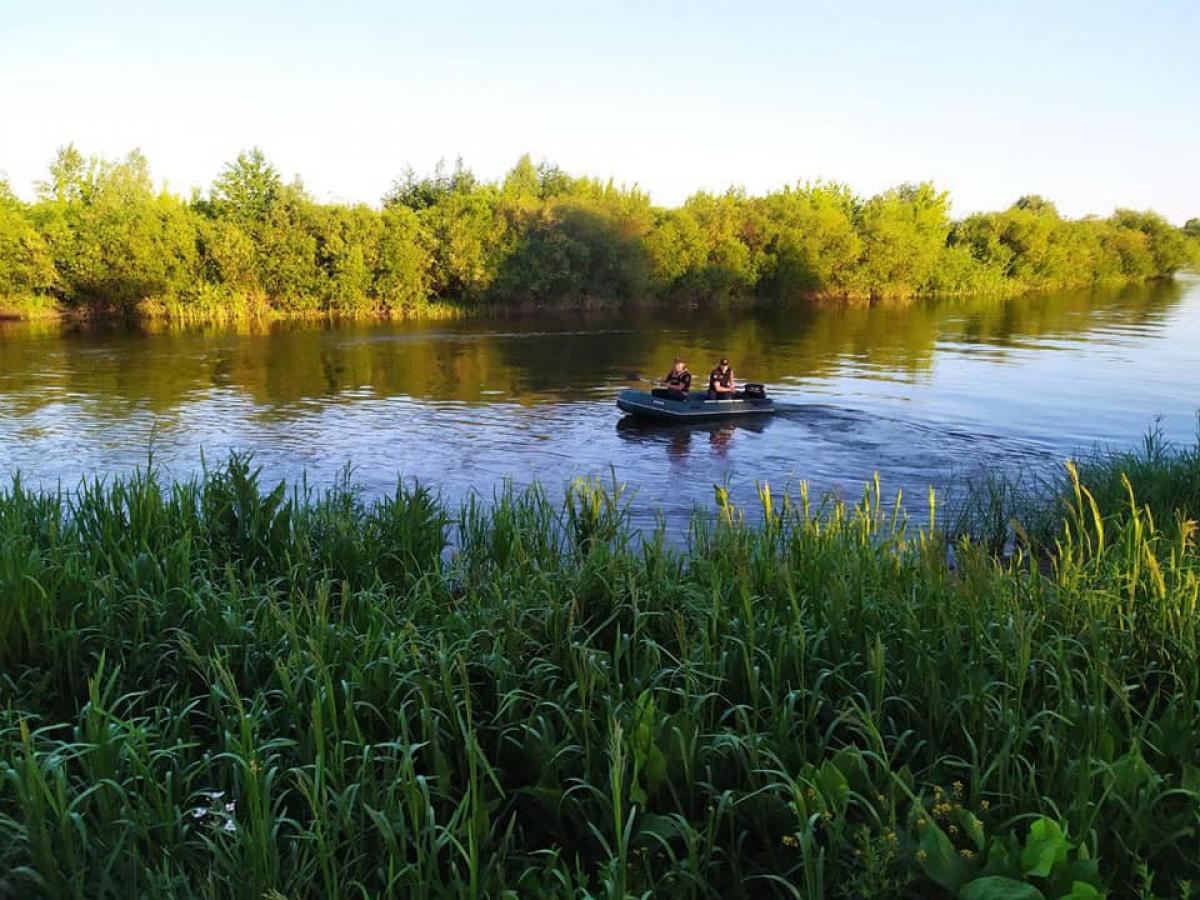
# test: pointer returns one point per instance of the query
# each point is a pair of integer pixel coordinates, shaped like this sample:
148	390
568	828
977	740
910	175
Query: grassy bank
217	689
256	309
227	310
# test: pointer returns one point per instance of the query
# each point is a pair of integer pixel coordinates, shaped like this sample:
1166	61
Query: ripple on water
465	407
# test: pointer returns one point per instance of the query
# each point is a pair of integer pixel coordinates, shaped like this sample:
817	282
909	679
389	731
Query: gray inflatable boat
696	408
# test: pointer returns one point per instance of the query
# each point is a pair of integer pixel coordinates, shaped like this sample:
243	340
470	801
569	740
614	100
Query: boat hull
699	408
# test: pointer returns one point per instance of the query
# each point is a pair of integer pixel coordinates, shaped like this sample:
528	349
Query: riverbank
244	309
240	309
237	689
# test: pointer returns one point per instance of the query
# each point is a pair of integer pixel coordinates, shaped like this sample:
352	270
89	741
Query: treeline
101	235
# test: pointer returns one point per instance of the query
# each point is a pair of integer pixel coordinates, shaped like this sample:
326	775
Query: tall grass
1158	477
214	688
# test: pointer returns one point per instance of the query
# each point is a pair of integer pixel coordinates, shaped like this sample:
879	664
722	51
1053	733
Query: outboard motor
755	392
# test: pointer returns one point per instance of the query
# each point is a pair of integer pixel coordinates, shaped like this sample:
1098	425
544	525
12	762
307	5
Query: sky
1092	104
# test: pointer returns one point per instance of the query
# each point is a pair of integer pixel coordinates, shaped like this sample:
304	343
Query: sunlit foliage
101	235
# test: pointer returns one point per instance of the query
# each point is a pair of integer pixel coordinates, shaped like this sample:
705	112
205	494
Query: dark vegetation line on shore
100	237
216	689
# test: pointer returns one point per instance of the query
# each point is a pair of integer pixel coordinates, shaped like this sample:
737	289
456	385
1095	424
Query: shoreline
39	309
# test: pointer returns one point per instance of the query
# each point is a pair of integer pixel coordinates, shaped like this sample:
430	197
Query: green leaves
649	763
1042	868
1081	890
997	887
941	861
832	785
247	188
1045	847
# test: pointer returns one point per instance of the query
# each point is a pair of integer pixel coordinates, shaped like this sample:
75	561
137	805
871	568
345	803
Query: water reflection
690	443
915	391
553	357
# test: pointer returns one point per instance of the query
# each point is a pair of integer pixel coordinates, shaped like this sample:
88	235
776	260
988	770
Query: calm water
917	393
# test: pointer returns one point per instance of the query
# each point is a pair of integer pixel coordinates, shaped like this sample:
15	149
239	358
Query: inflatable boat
696	408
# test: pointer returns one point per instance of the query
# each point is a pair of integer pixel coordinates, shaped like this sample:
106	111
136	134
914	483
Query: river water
922	394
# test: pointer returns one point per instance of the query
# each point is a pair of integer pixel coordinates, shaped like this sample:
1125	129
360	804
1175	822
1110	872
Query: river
921	393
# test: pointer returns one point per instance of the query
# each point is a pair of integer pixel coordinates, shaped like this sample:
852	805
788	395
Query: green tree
113	239
468	242
903	232
1129	250
814	246
247	188
522	182
1168	248
577	249
70	177
676	249
728	265
347	254
1191	231
227	253
422	193
26	266
286	252
402	278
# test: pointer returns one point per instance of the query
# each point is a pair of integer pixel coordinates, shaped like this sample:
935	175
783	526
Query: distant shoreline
101	239
41	309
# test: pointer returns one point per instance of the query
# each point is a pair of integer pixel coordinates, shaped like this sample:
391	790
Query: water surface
916	392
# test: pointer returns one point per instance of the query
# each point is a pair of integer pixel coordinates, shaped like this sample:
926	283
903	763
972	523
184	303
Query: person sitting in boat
677	382
720	382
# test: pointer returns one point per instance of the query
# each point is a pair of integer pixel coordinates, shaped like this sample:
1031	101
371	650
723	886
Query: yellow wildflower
958	788
983	804
965	853
922	855
953	829
921	823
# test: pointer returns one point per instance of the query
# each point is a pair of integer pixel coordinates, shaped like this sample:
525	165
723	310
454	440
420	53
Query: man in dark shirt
677	382
720	382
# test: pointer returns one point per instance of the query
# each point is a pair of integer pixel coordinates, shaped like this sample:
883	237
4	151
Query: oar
634	376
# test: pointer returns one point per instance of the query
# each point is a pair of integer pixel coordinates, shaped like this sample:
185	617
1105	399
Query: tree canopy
99	233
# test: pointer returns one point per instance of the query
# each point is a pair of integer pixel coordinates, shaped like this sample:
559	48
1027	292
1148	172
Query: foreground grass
212	689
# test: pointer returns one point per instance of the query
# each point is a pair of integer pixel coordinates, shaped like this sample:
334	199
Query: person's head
680	365
723	364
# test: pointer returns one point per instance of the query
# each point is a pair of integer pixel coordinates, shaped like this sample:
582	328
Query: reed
220	688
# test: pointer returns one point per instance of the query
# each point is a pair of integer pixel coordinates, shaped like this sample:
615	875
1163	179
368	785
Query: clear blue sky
1094	104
